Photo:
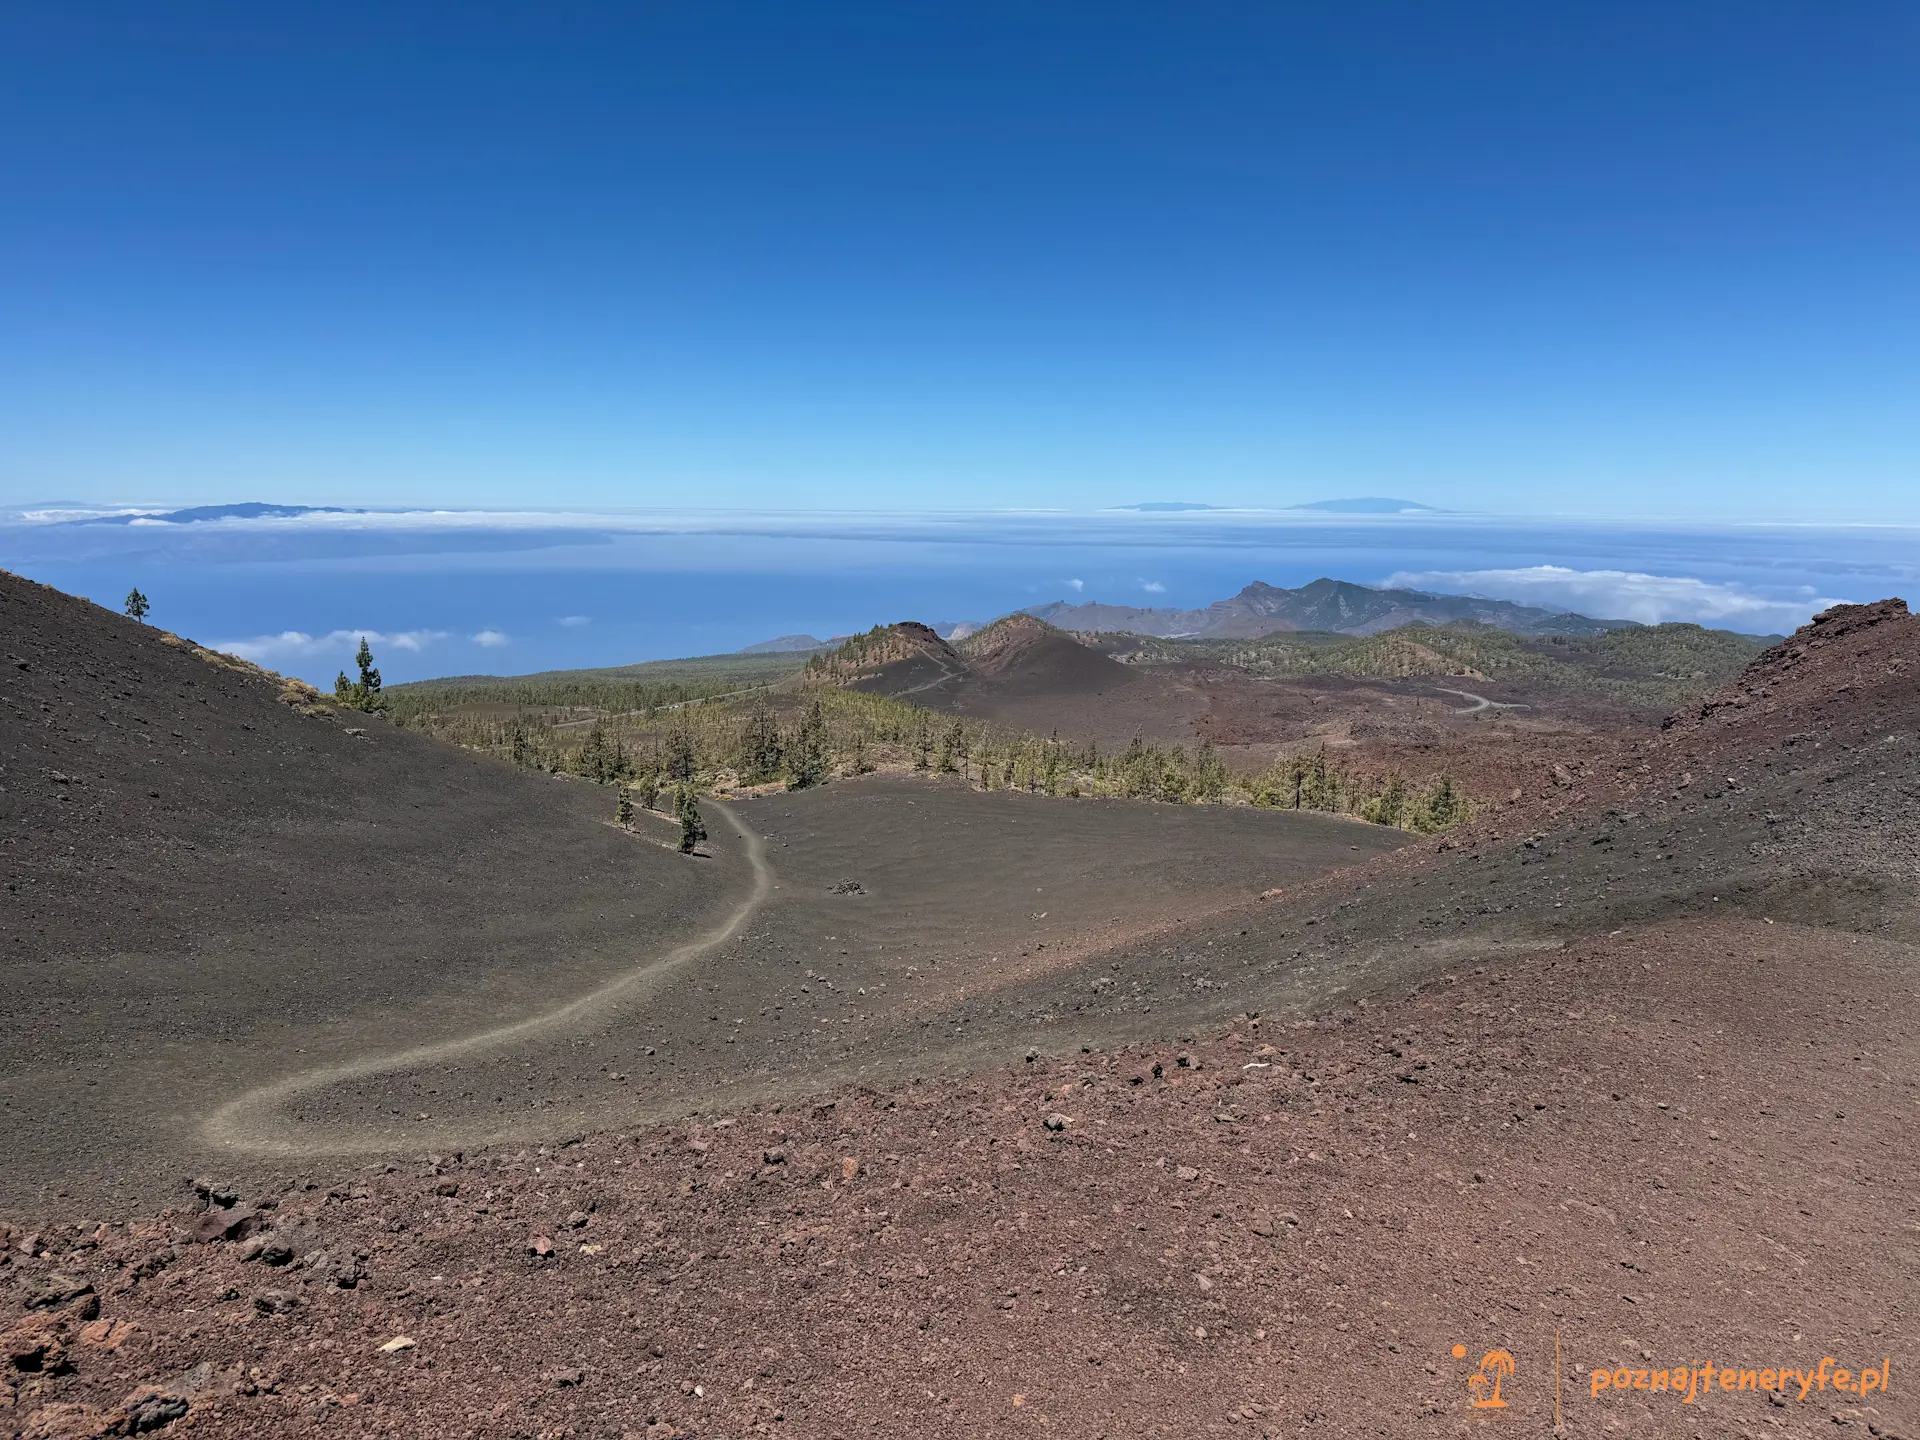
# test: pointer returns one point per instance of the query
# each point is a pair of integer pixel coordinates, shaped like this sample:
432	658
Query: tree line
799	740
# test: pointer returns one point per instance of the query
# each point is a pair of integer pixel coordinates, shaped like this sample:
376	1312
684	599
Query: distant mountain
1367	505
781	645
1335	605
1162	506
246	510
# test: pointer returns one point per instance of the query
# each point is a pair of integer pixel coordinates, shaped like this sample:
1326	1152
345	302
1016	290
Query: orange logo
1483	1387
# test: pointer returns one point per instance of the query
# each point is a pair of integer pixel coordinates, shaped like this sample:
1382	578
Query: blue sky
1626	259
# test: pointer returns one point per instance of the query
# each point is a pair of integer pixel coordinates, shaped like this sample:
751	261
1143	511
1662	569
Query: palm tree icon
1495	1366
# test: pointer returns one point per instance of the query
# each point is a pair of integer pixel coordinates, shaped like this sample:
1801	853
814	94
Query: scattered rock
774	1155
56	1290
223	1224
35	1345
1187	1173
540	1245
276	1302
1055	1122
397	1344
847	887
146	1410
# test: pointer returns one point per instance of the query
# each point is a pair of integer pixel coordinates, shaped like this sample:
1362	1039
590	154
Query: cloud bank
298	645
1626	595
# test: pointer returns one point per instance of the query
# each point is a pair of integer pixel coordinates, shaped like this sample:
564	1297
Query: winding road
1480	702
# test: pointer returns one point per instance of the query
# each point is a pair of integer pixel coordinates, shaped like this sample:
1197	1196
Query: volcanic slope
244	927
1628	1093
1022	673
205	877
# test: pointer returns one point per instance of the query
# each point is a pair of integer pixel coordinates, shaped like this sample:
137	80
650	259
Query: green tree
692	831
137	606
1209	775
364	693
682	760
623	807
807	758
648	787
1389	807
1441	808
859	762
760	749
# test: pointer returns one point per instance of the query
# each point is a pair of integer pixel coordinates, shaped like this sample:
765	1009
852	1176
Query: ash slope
203	883
1687	1136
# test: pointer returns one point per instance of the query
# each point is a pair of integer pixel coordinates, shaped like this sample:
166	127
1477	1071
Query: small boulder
56	1290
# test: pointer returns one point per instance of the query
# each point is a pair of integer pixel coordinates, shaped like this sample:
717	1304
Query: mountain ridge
1338	606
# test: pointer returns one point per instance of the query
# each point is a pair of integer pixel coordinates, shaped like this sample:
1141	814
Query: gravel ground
1623	1074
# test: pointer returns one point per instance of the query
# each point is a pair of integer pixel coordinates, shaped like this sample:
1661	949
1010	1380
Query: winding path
946	674
252	1123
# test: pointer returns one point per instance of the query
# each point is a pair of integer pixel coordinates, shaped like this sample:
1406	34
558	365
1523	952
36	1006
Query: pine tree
363	694
623	807
1441	808
681	759
807	758
369	677
692	832
137	606
760	749
1389	807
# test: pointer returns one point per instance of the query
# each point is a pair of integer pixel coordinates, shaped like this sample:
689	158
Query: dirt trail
252	1123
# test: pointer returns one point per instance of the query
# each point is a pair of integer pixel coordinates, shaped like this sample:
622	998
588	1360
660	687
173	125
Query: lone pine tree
364	693
623	807
137	606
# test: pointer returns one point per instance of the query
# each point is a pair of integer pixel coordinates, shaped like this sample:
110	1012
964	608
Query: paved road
1480	702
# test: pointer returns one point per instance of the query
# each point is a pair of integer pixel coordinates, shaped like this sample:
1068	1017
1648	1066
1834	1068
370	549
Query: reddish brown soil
1628	1072
1687	1144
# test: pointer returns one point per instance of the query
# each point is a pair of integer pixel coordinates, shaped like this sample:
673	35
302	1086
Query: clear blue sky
1605	257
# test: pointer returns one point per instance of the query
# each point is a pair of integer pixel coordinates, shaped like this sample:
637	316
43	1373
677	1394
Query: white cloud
1153	587
490	638
1626	595
298	645
575	621
1075	585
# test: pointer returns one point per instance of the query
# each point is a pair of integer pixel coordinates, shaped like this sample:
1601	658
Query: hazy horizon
467	592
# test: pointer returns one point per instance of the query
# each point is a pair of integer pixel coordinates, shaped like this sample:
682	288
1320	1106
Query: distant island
1163	506
246	510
